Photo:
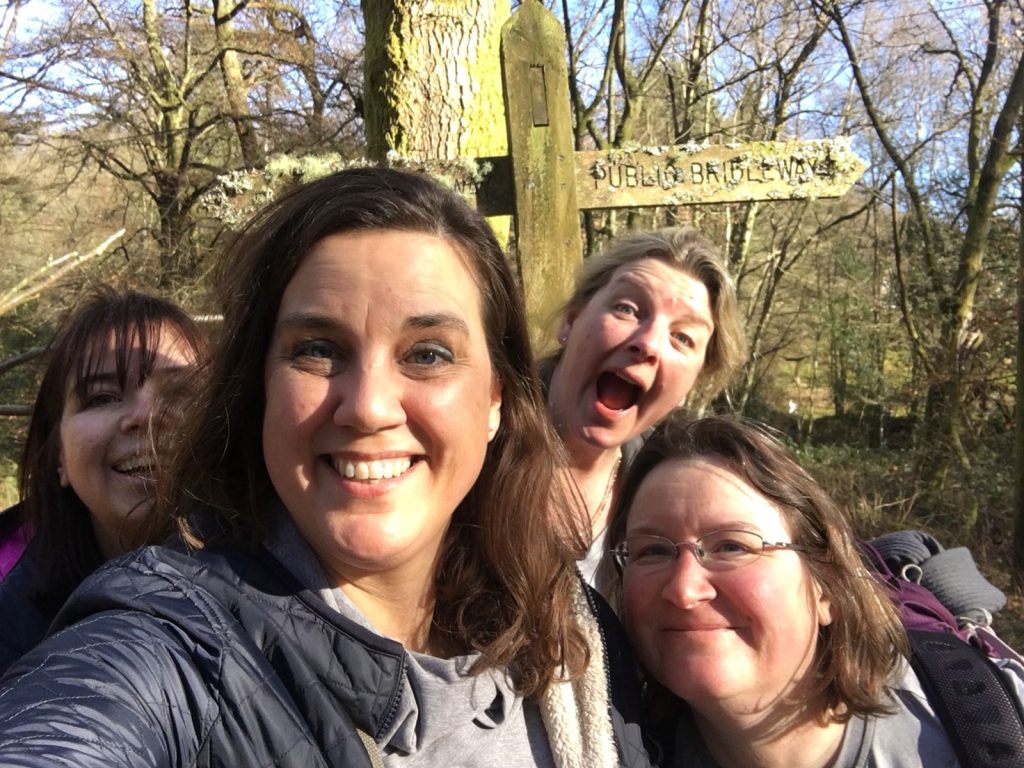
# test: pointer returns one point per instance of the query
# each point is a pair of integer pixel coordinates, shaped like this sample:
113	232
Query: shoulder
26	612
913	734
164	653
132	602
13	538
632	447
610	648
201	591
131	680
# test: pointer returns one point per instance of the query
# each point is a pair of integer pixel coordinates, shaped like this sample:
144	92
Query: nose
370	398
687	582
139	407
647	340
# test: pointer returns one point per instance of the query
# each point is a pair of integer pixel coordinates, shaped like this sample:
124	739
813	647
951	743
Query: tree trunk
235	89
432	78
1018	528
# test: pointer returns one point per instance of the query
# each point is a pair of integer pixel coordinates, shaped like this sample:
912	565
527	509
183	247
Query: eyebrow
688	317
317	321
307	320
100	378
734	525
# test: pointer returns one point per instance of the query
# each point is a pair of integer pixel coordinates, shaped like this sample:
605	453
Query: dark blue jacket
214	658
26	608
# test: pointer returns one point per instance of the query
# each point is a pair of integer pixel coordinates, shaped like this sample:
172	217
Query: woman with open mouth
117	375
652	325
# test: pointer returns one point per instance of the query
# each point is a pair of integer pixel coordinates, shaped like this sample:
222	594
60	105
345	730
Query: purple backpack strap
919	609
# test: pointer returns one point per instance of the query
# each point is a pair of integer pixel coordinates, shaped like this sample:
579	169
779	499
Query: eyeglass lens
721	549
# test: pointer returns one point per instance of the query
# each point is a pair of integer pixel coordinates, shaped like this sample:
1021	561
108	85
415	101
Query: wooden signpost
545	184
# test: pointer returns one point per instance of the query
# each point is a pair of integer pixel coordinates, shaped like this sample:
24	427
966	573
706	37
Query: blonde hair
690	252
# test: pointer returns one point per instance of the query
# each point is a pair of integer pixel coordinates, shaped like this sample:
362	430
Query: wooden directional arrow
545	184
681	175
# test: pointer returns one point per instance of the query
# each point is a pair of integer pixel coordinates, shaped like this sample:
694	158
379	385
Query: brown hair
60	523
506	578
690	252
859	649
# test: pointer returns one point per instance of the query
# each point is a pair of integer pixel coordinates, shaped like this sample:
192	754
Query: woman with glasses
765	639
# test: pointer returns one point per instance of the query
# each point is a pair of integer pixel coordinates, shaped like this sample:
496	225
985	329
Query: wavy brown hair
506	579
859	649
60	522
690	252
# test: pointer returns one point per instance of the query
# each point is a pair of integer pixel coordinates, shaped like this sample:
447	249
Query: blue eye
429	355
623	308
317	356
317	348
683	338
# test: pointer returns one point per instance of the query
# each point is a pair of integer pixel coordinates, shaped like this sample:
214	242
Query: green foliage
880	490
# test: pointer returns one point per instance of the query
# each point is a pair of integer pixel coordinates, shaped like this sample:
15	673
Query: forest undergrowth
879	489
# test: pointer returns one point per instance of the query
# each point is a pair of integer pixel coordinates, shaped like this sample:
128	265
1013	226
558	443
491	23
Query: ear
565	328
823	607
494	411
62	474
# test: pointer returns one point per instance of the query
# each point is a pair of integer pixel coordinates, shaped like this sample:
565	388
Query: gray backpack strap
975	704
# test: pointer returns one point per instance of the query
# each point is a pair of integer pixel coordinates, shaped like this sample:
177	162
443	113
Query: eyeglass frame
621	556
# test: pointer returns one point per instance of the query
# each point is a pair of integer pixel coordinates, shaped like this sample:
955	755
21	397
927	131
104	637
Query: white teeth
135	465
379	469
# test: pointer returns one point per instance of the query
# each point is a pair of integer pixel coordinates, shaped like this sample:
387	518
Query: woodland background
883	325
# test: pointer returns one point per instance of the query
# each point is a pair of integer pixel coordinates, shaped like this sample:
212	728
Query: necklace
609	486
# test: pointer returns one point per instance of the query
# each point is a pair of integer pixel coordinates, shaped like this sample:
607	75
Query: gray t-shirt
912	737
446	716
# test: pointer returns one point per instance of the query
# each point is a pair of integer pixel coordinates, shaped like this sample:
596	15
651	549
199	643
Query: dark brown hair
859	649
506	578
60	523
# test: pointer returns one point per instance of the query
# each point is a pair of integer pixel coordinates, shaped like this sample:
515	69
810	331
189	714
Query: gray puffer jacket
220	658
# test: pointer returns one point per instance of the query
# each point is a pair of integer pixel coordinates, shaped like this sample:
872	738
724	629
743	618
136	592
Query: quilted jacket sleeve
113	690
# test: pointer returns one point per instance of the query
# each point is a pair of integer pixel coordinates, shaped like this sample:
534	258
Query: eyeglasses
716	551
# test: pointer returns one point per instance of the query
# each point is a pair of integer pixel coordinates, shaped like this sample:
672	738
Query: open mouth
137	466
378	469
615	392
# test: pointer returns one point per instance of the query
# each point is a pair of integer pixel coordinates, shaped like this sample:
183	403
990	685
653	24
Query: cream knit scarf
577	714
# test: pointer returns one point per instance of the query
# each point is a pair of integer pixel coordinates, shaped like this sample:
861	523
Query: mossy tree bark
432	78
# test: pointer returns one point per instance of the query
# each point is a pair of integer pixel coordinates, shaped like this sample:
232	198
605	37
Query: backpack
973	701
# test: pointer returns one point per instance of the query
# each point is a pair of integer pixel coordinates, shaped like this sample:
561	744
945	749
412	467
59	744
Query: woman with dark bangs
117	373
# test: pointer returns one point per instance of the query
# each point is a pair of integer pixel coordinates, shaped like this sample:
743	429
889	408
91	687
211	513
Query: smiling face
736	639
632	354
380	400
107	449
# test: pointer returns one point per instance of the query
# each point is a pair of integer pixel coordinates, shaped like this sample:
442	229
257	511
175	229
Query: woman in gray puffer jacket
374	562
